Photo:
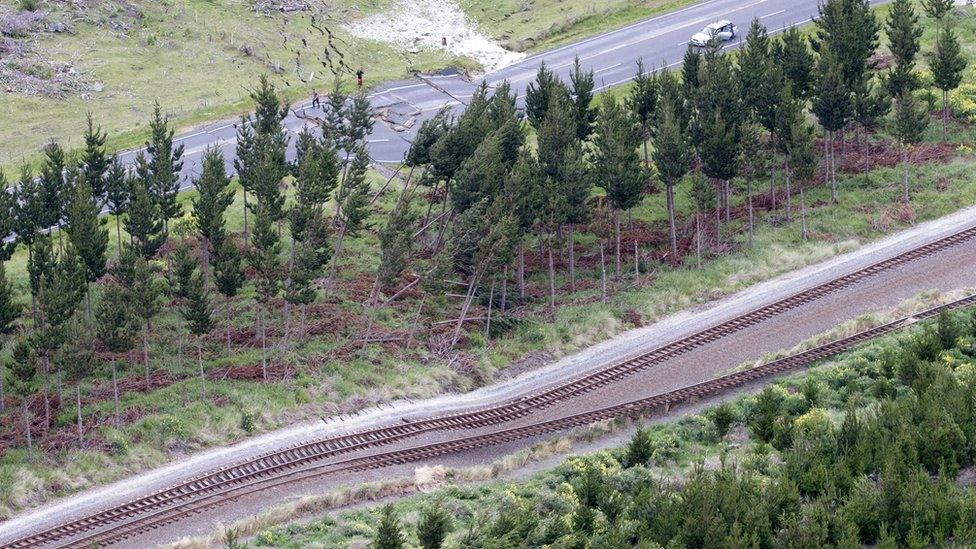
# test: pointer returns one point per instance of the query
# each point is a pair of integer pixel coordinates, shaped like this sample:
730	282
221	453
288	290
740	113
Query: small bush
247	421
29	5
962	101
641	448
433	526
723	416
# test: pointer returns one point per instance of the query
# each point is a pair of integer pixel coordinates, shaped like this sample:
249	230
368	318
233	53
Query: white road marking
598	71
772	14
377	140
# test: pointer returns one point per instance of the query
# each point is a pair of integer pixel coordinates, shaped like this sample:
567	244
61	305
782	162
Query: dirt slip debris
415	25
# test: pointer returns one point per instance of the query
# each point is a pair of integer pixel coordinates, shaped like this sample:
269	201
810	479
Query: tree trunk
3	406
572	260
603	274
30	439
205	252
203	378
229	320
552	284
772	190
828	160
115	390
81	432
749	202
636	263
504	290
945	116
904	161
672	230
145	353
47	398
335	259
803	211
616	230
491	300
118	236
264	344
179	342
416	319
727	187
789	192
464	308
430	203
301	325
245	213
521	267
698	239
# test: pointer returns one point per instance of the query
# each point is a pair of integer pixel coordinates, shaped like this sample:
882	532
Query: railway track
183	498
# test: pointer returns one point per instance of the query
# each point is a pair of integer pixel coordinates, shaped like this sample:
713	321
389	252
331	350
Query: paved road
660	41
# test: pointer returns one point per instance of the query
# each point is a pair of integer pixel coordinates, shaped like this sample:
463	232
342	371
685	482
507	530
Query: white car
719	31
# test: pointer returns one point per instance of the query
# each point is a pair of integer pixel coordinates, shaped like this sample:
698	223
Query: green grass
187	54
542	24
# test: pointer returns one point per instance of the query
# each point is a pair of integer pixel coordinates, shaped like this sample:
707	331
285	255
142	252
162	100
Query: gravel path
946	270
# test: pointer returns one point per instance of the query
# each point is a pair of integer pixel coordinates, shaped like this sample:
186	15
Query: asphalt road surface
661	41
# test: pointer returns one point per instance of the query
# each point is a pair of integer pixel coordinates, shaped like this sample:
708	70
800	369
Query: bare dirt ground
415	25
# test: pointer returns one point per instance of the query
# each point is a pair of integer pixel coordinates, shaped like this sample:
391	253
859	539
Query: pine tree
388	534
9	314
911	119
40	266
87	232
433	525
553	214
117	191
690	66
214	198
802	161
643	101
754	162
673	156
789	108
54	186
396	241
758	75
30	209
947	64
228	277
832	106
937	9
524	195
95	161
199	320
539	94
144	293
116	327
359	122
869	104
719	152
793	57
849	29
352	205
144	222
430	131
616	164
263	259
24	370
76	358
581	90
181	264
904	32
8	219
165	165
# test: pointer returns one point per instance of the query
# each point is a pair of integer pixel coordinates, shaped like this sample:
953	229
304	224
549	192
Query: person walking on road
359	78
316	100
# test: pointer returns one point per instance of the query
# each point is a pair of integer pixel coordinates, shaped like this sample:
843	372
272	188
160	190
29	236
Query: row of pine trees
477	194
